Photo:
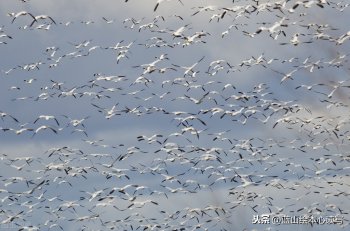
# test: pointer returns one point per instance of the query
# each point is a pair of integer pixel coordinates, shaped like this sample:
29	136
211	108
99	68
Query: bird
189	70
70	92
21	13
36	18
76	122
273	30
286	76
197	101
160	1
149	67
12	218
343	38
141	204
179	32
246	182
150	139
295	40
309	87
205	8
47	117
108	21
29	81
108	113
4	114
5	36
44	127
17	132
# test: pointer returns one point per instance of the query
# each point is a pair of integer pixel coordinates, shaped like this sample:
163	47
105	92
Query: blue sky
290	143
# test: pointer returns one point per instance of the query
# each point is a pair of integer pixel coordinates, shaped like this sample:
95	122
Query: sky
196	115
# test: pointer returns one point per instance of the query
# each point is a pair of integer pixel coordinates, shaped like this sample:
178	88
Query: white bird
342	38
36	18
295	40
4	114
44	127
29	81
5	35
108	21
108	113
197	101
246	182
17	132
149	67
189	69
68	93
76	122
11	218
21	13
179	32
191	39
286	76
160	1
273	30
205	8
47	117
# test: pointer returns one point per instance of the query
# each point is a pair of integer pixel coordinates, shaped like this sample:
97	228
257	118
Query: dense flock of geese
171	132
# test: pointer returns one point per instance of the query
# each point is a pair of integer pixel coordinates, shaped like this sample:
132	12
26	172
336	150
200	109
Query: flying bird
160	1
21	13
44	127
36	18
47	117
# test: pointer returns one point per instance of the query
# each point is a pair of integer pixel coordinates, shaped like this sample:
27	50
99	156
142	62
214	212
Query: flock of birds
164	126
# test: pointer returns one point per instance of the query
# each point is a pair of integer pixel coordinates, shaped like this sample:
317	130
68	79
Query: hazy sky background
294	152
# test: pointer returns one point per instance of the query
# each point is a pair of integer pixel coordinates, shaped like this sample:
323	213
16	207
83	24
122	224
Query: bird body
21	13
